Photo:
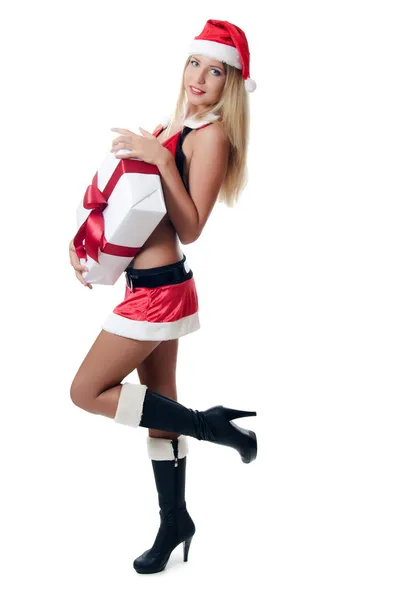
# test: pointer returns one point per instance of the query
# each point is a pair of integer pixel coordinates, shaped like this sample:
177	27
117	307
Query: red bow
92	231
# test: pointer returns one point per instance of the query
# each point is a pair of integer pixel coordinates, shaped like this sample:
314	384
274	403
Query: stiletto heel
186	546
231	413
215	425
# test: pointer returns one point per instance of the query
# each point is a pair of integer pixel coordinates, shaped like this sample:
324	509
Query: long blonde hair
233	109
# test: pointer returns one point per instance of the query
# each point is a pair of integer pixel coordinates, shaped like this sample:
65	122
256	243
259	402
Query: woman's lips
195	92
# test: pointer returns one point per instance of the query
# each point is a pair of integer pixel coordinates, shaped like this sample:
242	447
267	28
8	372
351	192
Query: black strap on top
179	155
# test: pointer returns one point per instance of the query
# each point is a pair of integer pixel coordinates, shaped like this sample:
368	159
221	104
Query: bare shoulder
209	157
210	141
212	133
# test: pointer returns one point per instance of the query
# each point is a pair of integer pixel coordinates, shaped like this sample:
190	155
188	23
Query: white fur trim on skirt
144	330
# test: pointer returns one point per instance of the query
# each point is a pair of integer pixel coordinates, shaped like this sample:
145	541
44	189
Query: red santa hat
227	43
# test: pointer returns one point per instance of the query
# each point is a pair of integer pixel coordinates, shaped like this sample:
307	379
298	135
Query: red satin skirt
164	312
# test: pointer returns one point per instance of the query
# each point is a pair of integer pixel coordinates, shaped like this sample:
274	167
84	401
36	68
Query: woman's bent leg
140	406
96	385
97	389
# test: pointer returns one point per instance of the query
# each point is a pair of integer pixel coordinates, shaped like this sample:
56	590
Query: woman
160	303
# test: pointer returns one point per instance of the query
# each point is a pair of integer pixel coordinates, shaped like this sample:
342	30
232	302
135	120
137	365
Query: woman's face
206	74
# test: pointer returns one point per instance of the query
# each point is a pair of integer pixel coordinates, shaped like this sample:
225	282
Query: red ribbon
92	231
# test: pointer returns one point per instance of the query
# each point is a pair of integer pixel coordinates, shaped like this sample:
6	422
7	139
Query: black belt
175	275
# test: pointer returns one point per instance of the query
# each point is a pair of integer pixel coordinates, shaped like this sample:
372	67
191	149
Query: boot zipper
175	447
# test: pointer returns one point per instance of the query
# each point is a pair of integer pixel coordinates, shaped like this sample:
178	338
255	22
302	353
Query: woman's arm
208	165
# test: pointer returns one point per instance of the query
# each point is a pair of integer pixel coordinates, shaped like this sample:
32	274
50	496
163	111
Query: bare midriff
162	246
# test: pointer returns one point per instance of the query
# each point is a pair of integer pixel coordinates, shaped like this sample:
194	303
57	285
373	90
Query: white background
297	291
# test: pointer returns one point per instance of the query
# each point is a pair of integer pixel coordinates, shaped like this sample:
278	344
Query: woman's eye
195	61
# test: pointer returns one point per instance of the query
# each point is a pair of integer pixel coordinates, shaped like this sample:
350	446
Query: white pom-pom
250	85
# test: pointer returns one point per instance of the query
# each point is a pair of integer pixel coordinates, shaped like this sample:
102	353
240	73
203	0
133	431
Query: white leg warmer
162	449
130	407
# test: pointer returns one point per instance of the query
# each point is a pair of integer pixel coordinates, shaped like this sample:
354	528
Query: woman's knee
82	396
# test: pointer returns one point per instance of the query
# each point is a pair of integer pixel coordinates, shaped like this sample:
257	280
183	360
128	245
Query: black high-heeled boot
176	526
139	406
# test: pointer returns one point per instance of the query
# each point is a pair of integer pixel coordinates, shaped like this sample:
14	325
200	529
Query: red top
172	142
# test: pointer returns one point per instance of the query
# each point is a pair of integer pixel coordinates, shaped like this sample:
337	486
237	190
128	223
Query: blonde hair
233	109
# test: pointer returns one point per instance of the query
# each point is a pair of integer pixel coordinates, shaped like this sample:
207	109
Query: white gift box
119	211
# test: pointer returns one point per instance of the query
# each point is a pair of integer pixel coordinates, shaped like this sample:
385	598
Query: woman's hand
78	268
145	147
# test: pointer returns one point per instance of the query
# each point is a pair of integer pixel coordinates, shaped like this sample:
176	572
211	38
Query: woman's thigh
158	370
110	359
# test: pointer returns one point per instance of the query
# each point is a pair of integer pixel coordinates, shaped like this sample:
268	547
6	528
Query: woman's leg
158	372
97	389
97	384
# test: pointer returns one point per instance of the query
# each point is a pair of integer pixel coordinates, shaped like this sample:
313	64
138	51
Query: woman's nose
201	79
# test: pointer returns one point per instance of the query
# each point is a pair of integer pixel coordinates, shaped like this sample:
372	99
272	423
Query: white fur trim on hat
222	52
130	407
162	448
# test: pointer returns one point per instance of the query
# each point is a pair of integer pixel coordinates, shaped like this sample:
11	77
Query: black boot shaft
176	525
212	425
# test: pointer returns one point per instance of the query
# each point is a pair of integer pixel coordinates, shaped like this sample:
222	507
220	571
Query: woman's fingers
121	138
125	142
78	268
74	261
81	268
124	145
121	130
81	278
